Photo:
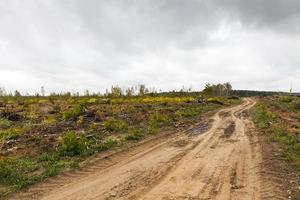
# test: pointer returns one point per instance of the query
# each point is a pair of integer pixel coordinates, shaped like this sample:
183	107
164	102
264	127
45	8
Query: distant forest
224	89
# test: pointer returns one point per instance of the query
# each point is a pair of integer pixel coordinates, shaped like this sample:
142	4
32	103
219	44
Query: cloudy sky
93	44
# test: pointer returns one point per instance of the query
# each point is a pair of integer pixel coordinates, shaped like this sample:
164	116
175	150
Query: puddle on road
198	129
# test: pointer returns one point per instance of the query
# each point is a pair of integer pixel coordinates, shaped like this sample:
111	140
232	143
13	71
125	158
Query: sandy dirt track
222	162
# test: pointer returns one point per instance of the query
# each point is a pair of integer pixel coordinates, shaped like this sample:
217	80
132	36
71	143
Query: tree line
220	89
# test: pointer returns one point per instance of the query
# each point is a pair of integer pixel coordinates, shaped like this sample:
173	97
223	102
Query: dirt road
222	162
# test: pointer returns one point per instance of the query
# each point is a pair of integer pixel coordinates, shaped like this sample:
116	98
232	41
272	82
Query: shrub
11	133
262	117
72	113
297	105
107	144
28	102
50	162
70	145
278	133
43	101
112	124
286	99
51	119
214	101
92	127
80	120
135	134
92	101
16	172
191	112
5	123
48	157
157	120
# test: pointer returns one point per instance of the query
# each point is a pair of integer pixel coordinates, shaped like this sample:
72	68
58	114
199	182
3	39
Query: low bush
286	99
135	134
214	101
5	123
72	113
92	101
107	144
157	120
11	133
51	163
117	125
276	131
262	117
71	145
191	112
51	119
297	105
16	172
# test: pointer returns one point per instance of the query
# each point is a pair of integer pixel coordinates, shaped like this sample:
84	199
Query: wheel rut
220	160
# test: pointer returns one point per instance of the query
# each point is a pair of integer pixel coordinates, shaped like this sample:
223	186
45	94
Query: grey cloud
77	44
280	14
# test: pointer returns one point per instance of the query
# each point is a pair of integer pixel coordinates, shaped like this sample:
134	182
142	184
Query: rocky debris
201	100
11	115
91	116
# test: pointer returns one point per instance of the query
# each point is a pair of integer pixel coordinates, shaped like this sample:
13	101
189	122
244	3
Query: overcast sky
93	44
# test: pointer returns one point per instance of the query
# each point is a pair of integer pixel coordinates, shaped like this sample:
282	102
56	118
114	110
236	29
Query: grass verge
276	130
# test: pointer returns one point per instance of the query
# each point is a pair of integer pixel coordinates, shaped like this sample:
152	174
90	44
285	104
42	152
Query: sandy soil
222	162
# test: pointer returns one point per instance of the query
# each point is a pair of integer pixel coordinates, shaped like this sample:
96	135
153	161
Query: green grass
190	112
117	125
296	105
71	145
5	123
11	133
134	135
81	126
286	99
276	130
262	117
156	121
72	113
16	172
107	144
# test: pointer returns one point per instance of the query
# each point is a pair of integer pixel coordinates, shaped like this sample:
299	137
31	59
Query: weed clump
136	134
14	172
157	120
286	99
71	145
277	132
117	125
92	101
262	117
297	105
214	101
188	112
5	123
11	133
72	113
107	144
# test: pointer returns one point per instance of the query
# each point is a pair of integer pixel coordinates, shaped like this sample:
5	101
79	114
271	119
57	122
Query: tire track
223	162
